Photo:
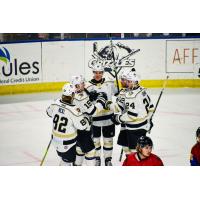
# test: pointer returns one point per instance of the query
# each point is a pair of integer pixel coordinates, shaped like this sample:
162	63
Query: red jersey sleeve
195	151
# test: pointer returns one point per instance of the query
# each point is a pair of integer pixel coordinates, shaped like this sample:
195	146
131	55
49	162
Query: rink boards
46	66
56	86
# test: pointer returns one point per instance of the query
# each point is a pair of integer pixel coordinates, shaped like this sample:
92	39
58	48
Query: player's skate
98	161
108	162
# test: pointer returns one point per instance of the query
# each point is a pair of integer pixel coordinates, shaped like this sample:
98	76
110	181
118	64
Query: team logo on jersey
144	93
118	55
80	95
78	110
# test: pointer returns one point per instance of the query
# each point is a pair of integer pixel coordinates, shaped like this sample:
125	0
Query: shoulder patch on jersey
75	111
144	93
78	110
80	94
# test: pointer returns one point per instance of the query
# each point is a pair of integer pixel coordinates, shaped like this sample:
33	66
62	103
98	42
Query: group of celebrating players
85	116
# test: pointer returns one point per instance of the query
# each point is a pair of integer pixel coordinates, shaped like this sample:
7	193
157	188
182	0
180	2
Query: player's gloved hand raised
102	98
102	102
102	95
116	119
109	105
93	95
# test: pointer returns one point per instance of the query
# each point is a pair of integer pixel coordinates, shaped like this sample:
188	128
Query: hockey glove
116	119
102	95
108	105
102	98
93	95
102	102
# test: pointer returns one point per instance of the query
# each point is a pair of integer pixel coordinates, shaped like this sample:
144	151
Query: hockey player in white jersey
138	111
85	145
67	119
102	123
120	108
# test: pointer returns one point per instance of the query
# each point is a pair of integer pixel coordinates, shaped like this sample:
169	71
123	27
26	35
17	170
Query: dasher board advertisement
20	63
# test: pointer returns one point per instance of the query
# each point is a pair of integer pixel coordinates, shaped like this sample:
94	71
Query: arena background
38	66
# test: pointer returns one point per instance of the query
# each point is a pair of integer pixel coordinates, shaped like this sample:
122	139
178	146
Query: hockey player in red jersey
195	151
143	156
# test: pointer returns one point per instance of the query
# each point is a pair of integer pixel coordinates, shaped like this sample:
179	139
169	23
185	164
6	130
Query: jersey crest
78	110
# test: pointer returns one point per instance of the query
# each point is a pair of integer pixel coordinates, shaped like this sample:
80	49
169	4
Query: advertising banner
183	56
20	63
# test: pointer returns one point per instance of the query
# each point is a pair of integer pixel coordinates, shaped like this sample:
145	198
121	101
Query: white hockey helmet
98	67
132	76
68	89
124	74
77	80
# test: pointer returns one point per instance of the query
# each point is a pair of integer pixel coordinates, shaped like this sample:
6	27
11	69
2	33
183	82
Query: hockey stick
121	154
116	81
129	55
116	77
46	152
164	85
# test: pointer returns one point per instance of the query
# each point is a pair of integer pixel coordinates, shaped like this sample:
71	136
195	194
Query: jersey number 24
146	102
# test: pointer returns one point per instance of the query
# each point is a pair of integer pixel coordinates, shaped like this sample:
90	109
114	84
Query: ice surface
25	128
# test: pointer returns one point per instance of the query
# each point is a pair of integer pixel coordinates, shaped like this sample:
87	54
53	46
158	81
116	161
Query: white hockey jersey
138	109
67	119
119	105
103	118
87	107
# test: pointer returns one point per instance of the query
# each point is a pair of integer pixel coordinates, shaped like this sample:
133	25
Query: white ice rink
25	128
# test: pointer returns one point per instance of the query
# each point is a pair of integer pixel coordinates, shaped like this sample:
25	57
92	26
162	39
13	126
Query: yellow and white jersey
67	119
87	107
103	118
138	109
